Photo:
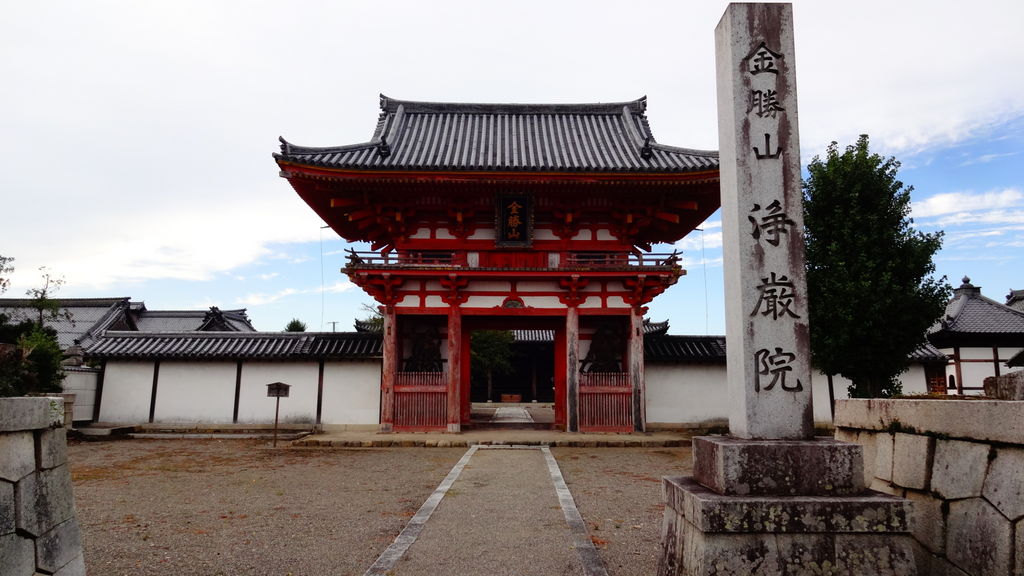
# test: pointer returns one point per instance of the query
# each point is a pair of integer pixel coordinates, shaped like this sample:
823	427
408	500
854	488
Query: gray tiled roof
191	320
79	318
533	335
926	353
235	346
685	349
613	137
968	312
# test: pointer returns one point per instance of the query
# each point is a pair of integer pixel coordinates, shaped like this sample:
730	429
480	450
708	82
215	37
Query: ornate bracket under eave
573	287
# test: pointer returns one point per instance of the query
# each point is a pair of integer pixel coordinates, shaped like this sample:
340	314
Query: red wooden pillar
636	368
572	367
389	366
454	366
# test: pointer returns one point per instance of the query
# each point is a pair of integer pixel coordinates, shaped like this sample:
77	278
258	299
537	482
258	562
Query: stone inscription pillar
771	499
572	368
768	357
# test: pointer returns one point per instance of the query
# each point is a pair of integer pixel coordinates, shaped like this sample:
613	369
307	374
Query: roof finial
966	281
286	148
646	151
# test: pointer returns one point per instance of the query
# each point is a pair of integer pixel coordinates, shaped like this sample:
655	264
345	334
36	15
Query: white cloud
260	299
268	276
692	243
986	158
990	217
962	202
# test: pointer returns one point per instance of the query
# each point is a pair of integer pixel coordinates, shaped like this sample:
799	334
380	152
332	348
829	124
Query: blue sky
136	158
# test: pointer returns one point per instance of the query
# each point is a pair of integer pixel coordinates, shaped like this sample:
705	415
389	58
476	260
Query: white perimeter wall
351	393
204	392
686	394
299	408
201	392
127	387
82	383
696	394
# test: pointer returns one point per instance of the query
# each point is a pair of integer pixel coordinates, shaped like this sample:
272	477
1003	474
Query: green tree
42	298
374	318
490	353
5	269
295	325
871	290
29	359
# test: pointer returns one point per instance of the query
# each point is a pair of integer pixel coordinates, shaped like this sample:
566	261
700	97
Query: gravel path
227	507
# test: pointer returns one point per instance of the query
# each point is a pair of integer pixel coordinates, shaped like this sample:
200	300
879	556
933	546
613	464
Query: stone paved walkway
500	511
516	415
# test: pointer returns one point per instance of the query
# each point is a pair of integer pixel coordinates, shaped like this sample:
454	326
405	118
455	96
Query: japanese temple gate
509	216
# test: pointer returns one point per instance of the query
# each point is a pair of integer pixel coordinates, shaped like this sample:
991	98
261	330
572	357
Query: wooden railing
530	260
421	400
606	402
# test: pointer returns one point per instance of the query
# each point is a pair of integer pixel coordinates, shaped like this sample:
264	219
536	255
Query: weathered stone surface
74	568
874	554
993	420
709	511
44	500
7	520
779	405
1019	568
847	435
672	535
59	546
796	554
53	451
1004	485
24	414
778	467
1006	387
886	487
927	523
870	444
883	456
17	556
978	537
959	468
912	460
17	455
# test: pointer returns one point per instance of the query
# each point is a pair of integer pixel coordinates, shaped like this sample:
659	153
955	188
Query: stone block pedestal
769	507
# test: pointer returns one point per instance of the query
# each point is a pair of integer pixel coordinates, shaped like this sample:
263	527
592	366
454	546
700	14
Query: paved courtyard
156	507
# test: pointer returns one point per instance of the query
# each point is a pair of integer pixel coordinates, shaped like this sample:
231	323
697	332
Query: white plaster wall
484	301
482	234
300	407
351	393
686	394
82	383
200	392
544	234
976	353
605	234
541	301
420	233
974	374
409	300
583	235
444	234
127	387
524	287
487	286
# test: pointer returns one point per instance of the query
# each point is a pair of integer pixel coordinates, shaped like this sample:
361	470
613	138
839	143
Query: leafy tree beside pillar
871	290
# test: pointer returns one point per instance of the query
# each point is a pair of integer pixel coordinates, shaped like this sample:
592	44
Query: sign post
277	390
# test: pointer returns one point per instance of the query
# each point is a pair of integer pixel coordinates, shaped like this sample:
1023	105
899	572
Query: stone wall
38	529
961	463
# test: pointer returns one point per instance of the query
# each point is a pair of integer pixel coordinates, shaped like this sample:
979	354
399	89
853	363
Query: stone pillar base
831	528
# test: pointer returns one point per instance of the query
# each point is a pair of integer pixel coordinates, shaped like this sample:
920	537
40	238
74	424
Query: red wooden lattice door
421	400
606	402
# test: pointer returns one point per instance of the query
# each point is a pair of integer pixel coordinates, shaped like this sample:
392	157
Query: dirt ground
227	507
